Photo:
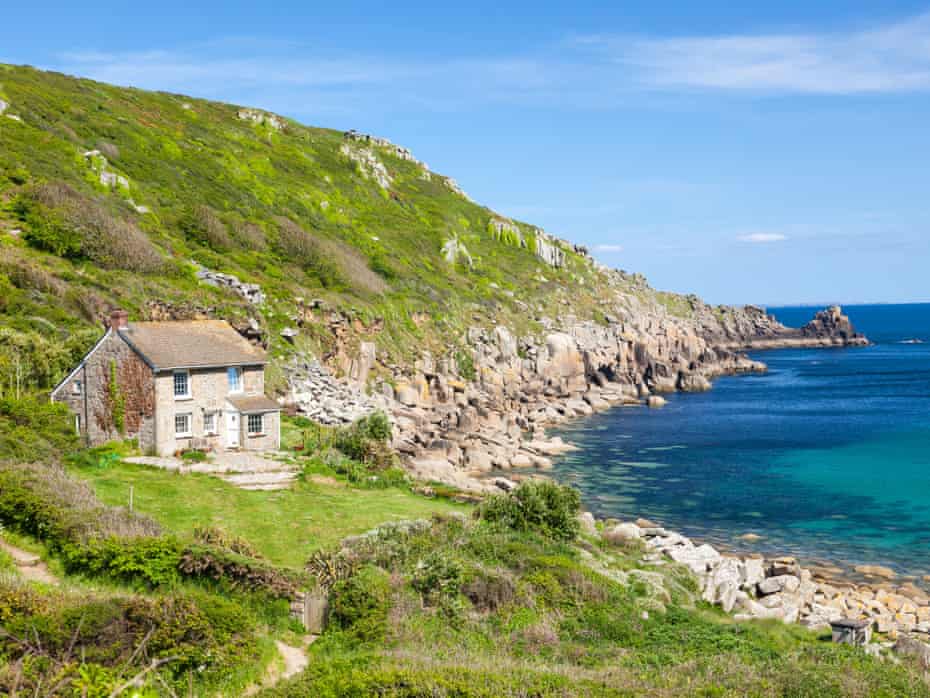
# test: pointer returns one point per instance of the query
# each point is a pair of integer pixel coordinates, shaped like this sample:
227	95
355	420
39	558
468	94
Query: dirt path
295	661
29	565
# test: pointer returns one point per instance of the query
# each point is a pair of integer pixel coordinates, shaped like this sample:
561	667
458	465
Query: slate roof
253	403
191	344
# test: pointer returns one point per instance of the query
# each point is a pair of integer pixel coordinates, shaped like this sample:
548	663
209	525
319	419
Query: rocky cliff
458	426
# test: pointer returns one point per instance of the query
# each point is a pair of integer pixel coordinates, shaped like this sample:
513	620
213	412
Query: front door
232	429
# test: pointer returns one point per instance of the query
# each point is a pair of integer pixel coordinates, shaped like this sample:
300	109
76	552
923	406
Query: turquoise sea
826	456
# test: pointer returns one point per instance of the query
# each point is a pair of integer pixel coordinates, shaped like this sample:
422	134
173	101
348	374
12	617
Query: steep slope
112	195
340	252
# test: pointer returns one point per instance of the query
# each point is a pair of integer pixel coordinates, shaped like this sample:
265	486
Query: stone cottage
173	386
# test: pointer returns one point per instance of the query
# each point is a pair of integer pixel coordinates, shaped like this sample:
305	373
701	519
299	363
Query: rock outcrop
549	250
262	118
750	327
368	163
251	292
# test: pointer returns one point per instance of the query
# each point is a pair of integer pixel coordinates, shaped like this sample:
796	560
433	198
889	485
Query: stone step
265	488
245	480
232	469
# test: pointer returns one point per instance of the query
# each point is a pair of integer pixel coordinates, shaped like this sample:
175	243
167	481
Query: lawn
285	525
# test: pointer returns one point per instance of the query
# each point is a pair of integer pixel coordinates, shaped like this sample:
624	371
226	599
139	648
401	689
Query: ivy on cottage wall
128	397
138	389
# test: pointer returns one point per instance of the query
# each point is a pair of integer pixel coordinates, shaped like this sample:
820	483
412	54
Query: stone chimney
119	320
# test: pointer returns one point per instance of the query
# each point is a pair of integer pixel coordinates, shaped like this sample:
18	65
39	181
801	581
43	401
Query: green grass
285	526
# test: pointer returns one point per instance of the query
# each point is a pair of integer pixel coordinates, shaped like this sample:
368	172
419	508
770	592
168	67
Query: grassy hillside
109	195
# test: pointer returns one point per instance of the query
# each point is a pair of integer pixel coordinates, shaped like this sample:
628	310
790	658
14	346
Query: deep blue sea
826	456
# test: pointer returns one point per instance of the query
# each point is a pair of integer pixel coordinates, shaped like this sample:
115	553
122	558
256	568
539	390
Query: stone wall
89	396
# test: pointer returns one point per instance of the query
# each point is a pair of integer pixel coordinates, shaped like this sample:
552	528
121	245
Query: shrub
88	645
489	591
69	224
218	538
329	568
366	440
42	500
360	604
153	561
201	225
466	365
236	571
333	262
545	507
297	245
438	578
250	235
194	455
34	429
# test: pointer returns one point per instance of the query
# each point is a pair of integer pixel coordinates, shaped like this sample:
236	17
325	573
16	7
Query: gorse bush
541	506
90	645
67	223
365	440
438	578
333	263
202	225
296	245
33	429
360	604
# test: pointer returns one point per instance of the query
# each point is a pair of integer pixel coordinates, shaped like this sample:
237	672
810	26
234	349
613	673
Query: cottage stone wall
209	389
253	380
88	395
270	440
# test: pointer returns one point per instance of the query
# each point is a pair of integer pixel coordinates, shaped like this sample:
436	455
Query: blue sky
769	154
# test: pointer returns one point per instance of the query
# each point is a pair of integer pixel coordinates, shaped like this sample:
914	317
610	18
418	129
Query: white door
232	429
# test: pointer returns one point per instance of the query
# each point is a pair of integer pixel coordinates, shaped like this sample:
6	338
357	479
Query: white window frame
210	431
174	385
248	423
190	425
237	371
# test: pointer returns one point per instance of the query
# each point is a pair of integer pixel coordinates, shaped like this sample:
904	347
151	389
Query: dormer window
234	375
182	385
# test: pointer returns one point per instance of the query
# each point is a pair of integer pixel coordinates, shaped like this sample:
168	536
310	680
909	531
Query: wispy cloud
761	237
889	58
608	248
602	71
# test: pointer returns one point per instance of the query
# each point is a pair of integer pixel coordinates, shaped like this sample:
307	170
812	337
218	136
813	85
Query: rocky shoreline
484	432
755	587
458	431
